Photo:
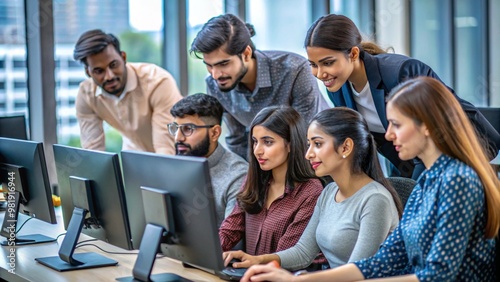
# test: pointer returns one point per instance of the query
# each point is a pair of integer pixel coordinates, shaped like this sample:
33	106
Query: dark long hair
225	30
427	101
289	125
338	33
342	123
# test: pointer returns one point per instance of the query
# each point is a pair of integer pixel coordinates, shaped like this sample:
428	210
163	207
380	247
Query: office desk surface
27	269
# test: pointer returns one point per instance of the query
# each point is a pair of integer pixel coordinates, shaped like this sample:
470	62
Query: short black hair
93	42
207	107
225	29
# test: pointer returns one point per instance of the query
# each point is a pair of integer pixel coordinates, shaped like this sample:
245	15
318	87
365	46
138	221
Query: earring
343	156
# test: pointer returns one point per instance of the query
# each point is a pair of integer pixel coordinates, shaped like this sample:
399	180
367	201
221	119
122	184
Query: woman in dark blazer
360	75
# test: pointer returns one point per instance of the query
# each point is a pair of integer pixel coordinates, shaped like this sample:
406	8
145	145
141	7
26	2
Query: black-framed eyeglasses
186	129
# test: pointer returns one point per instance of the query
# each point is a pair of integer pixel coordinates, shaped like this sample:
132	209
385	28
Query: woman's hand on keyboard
239	259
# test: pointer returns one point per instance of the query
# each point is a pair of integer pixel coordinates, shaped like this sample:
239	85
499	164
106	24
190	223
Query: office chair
492	115
403	186
496	160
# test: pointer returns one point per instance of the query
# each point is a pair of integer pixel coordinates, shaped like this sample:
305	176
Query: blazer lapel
376	86
347	93
343	97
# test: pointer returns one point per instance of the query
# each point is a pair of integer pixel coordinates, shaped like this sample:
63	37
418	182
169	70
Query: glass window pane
494	56
199	12
13	79
470	55
359	11
430	36
280	24
138	26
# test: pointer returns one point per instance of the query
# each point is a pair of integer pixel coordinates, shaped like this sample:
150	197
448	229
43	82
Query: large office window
451	37
431	42
361	12
471	52
13	79
138	24
280	24
199	12
494	56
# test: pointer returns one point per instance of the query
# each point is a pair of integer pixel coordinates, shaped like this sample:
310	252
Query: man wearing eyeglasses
196	130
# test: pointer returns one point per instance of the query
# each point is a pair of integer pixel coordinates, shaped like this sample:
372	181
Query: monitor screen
13	127
93	202
26	184
103	171
187	181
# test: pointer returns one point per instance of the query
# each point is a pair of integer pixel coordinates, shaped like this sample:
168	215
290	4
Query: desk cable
85	243
22	225
81	244
62	234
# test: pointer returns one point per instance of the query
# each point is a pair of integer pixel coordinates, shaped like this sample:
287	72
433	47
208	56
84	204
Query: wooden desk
27	269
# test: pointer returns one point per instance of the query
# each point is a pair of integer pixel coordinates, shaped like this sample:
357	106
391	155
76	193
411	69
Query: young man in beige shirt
134	98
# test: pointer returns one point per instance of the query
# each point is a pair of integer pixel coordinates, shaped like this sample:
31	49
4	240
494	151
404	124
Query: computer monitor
93	202
13	126
193	236
25	181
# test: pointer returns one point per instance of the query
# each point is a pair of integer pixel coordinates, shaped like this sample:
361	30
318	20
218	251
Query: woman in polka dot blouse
448	225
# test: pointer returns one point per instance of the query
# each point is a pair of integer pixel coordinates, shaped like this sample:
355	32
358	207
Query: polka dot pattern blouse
441	234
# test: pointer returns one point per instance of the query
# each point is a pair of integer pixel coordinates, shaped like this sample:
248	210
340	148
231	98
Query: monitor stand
9	225
67	260
145	260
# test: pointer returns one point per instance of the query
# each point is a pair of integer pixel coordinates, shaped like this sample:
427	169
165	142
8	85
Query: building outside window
199	12
13	83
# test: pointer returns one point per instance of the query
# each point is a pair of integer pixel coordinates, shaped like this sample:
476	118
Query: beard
116	91
243	71
122	81
200	150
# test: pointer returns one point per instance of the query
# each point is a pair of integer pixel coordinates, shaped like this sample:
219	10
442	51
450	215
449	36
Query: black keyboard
234	272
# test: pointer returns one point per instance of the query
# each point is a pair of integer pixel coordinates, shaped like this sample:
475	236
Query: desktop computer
13	126
25	181
170	204
93	202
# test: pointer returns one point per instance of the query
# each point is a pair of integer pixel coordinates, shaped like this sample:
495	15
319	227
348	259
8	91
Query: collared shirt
141	113
274	229
441	235
283	78
227	172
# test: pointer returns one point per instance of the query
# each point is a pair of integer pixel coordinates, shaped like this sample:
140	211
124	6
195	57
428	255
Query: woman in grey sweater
354	214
